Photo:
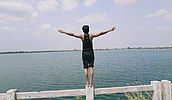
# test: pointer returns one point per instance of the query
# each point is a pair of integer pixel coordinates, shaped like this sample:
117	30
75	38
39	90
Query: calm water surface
64	70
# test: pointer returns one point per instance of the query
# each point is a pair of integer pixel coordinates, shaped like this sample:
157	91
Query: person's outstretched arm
70	34
102	33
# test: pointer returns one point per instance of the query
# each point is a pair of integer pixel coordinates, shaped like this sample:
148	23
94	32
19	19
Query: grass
78	98
142	95
138	96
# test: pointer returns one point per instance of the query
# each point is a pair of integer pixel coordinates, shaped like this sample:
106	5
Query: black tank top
87	43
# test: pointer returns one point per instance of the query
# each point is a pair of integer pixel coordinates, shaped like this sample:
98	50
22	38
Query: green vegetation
79	98
138	96
142	95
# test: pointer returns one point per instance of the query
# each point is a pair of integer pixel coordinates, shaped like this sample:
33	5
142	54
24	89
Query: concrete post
157	90
11	94
166	90
89	93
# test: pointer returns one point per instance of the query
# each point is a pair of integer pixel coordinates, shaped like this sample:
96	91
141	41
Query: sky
33	24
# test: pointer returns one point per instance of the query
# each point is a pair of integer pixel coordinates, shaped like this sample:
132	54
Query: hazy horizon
32	25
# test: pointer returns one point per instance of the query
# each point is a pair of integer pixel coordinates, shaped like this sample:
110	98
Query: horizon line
67	50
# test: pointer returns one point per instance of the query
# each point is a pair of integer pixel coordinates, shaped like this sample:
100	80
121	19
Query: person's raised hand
112	29
61	31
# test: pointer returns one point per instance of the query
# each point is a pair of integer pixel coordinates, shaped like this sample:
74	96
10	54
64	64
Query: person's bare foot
86	85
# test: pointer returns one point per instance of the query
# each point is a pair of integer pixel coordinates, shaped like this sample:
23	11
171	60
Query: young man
87	51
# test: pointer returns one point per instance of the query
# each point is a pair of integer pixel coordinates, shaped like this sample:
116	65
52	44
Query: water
64	70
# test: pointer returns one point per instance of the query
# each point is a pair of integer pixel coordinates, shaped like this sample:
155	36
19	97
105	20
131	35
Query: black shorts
88	58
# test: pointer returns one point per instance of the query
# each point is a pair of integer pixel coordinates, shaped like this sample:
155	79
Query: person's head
85	29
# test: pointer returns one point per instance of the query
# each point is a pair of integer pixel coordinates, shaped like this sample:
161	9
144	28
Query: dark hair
85	29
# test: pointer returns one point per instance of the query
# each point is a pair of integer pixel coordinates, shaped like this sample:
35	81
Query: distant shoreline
14	52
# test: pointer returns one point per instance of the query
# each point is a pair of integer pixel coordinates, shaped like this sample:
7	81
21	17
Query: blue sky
33	24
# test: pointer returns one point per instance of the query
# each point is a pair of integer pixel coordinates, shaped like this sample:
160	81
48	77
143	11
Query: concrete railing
161	91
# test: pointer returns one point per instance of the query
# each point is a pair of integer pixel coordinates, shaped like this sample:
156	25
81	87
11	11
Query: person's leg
91	67
92	76
86	76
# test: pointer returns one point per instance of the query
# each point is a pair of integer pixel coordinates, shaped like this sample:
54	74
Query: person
87	51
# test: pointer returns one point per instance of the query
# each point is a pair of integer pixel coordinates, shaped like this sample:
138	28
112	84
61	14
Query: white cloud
163	28
89	2
139	27
93	18
47	29
72	26
6	29
51	5
69	4
15	5
47	5
160	28
7	17
26	29
168	17
125	2
159	13
162	14
16	10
